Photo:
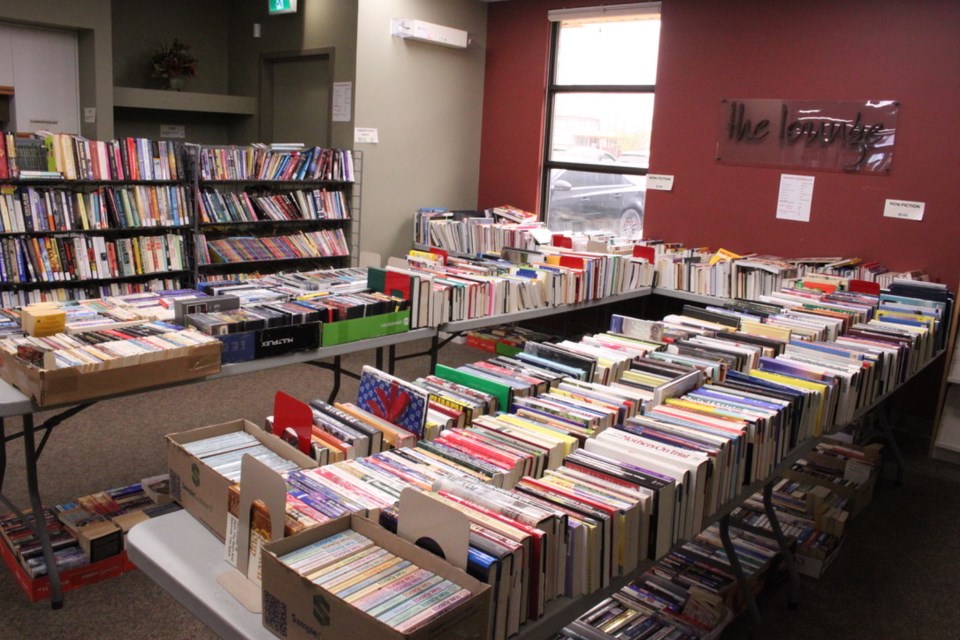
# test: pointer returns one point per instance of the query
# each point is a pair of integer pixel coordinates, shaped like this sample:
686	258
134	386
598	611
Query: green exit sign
282	6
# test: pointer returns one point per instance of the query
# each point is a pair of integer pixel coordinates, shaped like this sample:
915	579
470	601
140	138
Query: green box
508	350
335	333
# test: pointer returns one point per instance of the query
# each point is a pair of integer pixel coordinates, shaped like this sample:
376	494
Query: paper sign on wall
656	182
366	135
342	101
796	194
903	209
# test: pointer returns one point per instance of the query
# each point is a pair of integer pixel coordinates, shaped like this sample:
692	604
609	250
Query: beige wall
319	24
425	101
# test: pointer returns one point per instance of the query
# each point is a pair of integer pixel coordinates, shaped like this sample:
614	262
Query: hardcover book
393	400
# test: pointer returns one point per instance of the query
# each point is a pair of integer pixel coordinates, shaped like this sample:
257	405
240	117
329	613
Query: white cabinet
41	65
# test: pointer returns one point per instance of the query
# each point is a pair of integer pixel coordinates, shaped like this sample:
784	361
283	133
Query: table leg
748	598
794	589
336	380
3	453
30	455
434	352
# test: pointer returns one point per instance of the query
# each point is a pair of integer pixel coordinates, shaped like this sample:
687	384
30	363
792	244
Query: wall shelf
159	99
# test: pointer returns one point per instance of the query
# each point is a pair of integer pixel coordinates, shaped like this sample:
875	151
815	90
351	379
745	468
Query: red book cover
560	240
864	286
293	415
647	253
440	252
396	283
4	167
112	259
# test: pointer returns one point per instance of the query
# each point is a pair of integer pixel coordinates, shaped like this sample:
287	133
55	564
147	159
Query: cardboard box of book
862	475
814	565
38	588
49	387
202	490
385	324
273	341
296	608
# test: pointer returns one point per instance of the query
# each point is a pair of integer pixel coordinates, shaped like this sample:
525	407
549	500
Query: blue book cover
394	400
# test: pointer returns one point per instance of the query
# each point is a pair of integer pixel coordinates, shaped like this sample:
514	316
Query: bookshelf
269	208
82	218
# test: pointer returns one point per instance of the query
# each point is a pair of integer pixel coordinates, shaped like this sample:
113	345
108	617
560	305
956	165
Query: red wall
809	50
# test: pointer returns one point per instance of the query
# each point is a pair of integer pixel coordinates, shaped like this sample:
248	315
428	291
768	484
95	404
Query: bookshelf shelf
87	282
156	99
226	199
214	265
110	216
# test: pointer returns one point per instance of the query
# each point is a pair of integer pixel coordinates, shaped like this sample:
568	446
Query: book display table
14	403
184	558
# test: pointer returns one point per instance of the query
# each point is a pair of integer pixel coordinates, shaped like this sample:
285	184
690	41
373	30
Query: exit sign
282	6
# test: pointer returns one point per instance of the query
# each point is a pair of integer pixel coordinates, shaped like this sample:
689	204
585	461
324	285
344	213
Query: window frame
554	89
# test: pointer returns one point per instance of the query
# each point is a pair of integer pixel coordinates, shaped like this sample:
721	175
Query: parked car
590	155
581	200
635	158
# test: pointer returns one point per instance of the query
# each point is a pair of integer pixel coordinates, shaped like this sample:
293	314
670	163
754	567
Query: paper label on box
858	472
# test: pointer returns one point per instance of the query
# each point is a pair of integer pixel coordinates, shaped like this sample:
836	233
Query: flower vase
176	83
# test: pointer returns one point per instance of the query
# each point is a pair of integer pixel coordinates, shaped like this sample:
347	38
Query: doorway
295	97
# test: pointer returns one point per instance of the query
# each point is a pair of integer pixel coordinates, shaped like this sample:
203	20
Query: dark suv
581	200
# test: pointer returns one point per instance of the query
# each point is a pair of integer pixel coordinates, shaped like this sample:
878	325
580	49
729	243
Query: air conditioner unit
412	29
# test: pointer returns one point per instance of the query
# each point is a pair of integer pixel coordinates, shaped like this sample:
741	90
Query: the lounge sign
846	136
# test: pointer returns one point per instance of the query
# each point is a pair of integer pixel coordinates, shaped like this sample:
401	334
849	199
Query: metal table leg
794	589
434	352
336	380
886	428
738	569
30	455
3	454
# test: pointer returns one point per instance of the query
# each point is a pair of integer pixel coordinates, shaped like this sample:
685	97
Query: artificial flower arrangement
174	60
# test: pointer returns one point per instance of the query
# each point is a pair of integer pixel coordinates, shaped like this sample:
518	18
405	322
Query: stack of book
324	243
471	233
107	348
61	155
276	162
74	258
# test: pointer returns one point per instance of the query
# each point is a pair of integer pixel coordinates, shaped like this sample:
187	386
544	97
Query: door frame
267	60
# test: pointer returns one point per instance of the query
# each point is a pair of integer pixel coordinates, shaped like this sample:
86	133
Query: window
599	115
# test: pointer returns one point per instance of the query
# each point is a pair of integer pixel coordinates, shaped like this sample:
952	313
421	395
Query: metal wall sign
839	135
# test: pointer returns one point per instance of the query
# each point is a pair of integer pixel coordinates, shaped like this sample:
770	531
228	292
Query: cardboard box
100	540
201	490
859	496
48	387
43	319
814	566
296	608
37	589
274	341
335	333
